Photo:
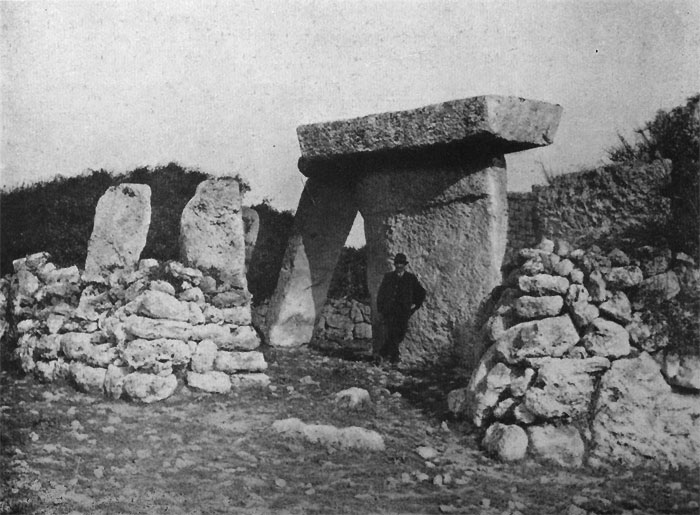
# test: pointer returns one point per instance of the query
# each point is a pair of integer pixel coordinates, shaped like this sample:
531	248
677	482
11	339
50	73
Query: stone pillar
322	222
431	183
211	233
251	227
122	219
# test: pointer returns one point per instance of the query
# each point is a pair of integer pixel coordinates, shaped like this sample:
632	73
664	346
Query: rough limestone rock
583	313
606	338
122	219
251	227
47	347
617	308
538	338
664	285
211	232
489	379
231	362
77	346
624	277
203	358
114	381
352	397
241	338
563	387
562	445
255	380
344	438
87	379
527	307
212	382
157	356
149	388
158	304
639	421
153	329
576	293
597	287
543	284
682	370
505	442
457	401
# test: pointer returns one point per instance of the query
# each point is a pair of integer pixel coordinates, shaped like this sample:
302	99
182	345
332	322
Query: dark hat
400	259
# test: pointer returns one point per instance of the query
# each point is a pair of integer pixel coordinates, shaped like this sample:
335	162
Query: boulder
204	356
162	286
640	421
538	338
241	338
157	356
87	379
527	307
617	308
153	329
606	338
77	346
576	293
344	438
231	362
583	313
122	219
618	258
624	277
158	304
256	380
212	382
47	347
562	445
543	284
212	234
682	370
457	401
114	381
664	285
576	276
597	287
479	399
184	274
352	398
149	388
505	442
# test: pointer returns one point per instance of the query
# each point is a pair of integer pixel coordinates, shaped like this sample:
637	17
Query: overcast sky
222	86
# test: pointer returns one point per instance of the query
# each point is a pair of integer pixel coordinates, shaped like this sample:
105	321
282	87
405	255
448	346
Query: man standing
400	295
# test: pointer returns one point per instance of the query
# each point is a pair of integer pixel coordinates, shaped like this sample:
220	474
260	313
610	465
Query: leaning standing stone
211	232
122	218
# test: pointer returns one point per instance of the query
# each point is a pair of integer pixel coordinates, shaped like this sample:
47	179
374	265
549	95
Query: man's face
400	267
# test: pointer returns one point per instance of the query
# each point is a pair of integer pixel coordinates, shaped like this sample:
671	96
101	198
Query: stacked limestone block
568	373
136	336
344	320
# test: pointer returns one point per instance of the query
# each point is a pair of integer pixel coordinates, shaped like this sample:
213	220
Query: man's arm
418	294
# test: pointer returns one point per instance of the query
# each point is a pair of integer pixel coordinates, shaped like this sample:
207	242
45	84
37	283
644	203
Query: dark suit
394	300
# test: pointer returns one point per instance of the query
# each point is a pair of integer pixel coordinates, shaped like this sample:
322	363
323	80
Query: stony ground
64	452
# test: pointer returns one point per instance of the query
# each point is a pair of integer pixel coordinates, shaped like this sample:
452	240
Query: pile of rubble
344	320
575	373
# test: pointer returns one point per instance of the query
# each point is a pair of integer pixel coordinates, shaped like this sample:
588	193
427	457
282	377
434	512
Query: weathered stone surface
87	379
576	276
240	338
597	287
152	329
617	308
512	124
47	347
76	346
639	421
663	285
255	380
203	358
520	381
326	212
543	284
505	442
624	277
45	371
211	231
344	438
231	362
583	313
606	338
149	388
183	273
212	382
477	399
362	331
527	307
504	409
538	338
576	293
122	218
564	268
618	258
251	227
114	381
562	445
682	370
157	356
563	387
157	304
457	401
102	355
352	397
162	286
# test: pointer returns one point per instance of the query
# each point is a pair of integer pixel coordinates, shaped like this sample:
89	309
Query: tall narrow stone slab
431	183
211	232
322	222
122	219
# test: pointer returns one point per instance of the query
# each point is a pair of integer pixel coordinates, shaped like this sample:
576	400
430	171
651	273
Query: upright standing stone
322	223
122	219
431	183
251	227
211	232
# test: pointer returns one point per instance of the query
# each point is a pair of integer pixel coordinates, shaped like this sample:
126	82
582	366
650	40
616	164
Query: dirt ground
68	453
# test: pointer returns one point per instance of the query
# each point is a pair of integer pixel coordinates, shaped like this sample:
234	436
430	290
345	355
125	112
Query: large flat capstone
508	124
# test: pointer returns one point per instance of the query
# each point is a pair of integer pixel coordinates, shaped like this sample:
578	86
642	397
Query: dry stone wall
344	320
573	366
